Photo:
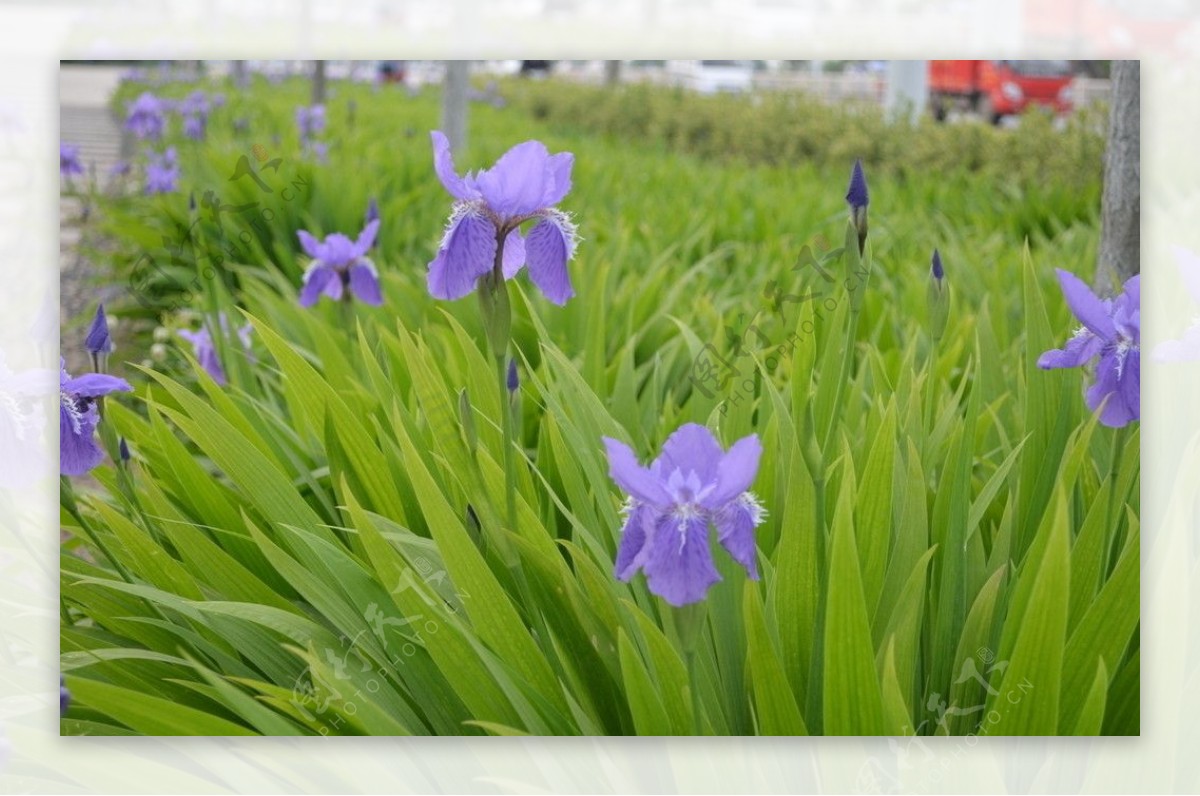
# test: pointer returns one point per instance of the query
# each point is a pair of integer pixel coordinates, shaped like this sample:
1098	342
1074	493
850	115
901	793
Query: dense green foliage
319	547
785	128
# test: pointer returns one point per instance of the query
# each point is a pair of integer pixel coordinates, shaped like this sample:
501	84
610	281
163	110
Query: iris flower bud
98	341
858	198
514	381
937	298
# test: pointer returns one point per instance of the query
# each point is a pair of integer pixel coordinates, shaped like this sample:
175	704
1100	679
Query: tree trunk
907	90
612	73
318	83
1121	214
454	103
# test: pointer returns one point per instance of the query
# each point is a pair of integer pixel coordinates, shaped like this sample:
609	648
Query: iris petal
514	254
548	248
1131	383
78	450
692	448
1079	349
631	552
516	184
679	566
93	385
311	246
443	164
364	283
735	531
335	286
735	472
315	281
1131	292
1109	396
1090	310
338	250
558	178
206	355
366	238
466	254
631	476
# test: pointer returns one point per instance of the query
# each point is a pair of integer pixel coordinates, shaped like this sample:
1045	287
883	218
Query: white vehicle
712	77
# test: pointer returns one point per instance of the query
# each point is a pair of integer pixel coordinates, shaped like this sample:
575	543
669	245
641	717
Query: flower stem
347	313
67	495
506	425
689	625
694	688
845	372
1120	438
498	320
930	391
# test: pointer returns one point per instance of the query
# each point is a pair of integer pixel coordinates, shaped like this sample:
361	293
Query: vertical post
454	103
318	83
907	90
1120	213
612	73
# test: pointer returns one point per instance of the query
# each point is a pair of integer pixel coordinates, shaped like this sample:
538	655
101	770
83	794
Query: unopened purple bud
64	696
192	202
937	298
98	340
857	196
514	381
123	448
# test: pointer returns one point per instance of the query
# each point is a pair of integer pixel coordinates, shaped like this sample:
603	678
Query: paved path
85	121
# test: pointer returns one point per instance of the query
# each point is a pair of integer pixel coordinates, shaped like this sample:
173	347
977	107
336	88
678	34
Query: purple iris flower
195	108
145	117
310	121
317	150
78	416
206	353
195	104
195	126
524	185
340	267
1111	332
162	172
693	484
69	163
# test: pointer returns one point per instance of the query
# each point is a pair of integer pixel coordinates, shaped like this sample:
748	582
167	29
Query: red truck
994	89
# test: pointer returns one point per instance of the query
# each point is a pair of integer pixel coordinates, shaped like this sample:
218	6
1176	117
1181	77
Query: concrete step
96	134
